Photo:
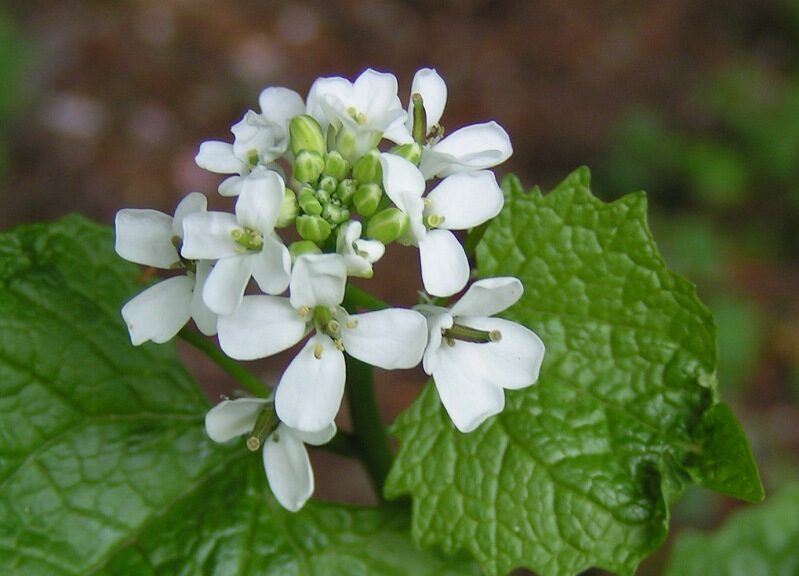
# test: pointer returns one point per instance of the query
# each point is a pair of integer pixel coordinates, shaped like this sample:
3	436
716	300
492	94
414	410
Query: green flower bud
308	166
313	228
411	152
308	202
345	190
297	249
323	196
336	166
366	199
419	119
388	225
288	209
346	144
367	169
306	134
328	184
335	214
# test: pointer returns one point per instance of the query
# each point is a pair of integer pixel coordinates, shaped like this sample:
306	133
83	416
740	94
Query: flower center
359	117
248	239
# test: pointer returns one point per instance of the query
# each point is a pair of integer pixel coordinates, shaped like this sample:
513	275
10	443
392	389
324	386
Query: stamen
352	323
434	220
303	311
339	344
317	351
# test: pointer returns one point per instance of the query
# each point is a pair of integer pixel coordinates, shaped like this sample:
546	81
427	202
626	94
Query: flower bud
313	228
366	199
335	214
367	169
411	152
308	202
328	184
323	196
306	134
297	249
346	190
336	166
288	209
388	225
346	143
308	166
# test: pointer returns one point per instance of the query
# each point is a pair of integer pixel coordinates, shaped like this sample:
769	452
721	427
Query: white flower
309	393
259	139
245	244
365	110
472	356
152	238
474	147
288	469
460	201
359	254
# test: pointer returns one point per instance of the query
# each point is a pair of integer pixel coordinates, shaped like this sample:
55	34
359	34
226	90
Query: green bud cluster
330	187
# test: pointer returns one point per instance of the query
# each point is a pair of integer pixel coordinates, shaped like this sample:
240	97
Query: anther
495	335
317	351
352	323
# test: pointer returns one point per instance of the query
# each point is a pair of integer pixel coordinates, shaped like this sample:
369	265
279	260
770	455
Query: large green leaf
579	470
760	541
104	463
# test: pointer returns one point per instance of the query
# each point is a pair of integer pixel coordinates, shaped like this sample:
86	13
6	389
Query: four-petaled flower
472	356
152	238
309	392
286	463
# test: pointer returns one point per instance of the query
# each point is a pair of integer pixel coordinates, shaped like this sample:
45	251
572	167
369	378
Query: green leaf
578	471
104	463
758	541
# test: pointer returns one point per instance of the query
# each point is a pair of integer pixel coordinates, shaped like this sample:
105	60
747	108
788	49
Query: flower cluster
351	170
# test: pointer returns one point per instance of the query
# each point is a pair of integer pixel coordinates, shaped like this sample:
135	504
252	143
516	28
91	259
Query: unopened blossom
472	356
458	202
288	469
259	139
474	147
363	112
359	253
309	394
152	238
243	244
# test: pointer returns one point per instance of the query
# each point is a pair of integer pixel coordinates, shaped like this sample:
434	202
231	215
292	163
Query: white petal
445	268
468	398
256	135
232	418
488	297
472	147
192	203
279	105
259	201
466	199
397	132
433	90
370	250
145	237
436	323
159	312
318	437
318	280
400	177
271	266
309	393
231	186
375	93
322	91
219	157
513	362
359	255
260	326
390	339
288	469
207	236
226	283
203	316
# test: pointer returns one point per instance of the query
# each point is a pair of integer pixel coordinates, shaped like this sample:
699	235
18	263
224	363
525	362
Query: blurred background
103	105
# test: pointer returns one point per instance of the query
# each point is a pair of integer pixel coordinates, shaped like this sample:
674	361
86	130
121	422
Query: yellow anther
495	335
352	323
253	443
339	344
317	351
304	311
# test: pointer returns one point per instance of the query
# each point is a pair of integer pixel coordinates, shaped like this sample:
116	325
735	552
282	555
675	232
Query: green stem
369	434
342	444
241	374
356	297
